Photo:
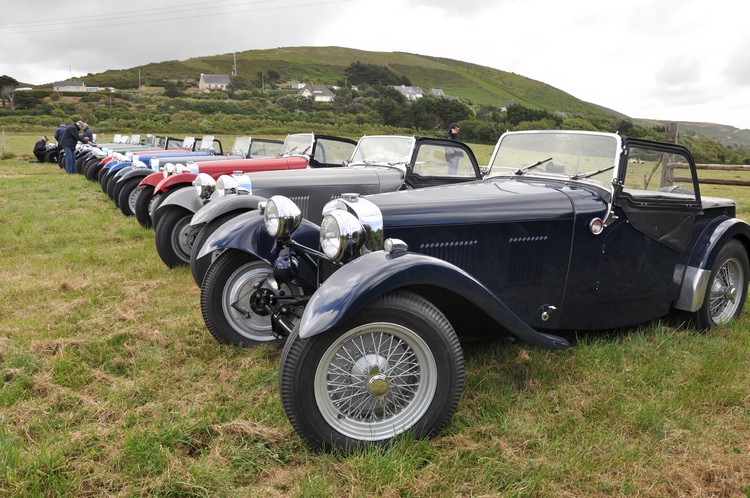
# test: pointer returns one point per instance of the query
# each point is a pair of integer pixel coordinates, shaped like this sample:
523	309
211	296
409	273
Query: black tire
124	201
111	182
318	374
161	197
727	287
92	172
87	166
51	156
142	203
116	191
199	267
174	236
80	161
230	280
101	174
61	158
104	179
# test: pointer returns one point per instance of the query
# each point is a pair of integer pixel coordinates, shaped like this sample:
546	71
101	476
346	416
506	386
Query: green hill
471	82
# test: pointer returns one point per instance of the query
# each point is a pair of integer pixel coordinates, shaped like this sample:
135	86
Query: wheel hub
368	370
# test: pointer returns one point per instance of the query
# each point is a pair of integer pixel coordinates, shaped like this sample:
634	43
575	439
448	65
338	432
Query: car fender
697	271
361	281
153	179
219	207
186	198
169	182
117	167
136	173
246	232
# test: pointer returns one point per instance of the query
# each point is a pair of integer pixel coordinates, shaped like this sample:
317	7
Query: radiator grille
303	202
325	270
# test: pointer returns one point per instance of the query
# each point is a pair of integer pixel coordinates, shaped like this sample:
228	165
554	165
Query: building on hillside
296	85
208	82
319	93
437	92
410	92
69	86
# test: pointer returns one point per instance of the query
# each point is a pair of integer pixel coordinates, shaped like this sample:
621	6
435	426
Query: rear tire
142	202
727	287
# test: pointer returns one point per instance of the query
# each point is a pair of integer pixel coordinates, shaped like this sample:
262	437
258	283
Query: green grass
110	385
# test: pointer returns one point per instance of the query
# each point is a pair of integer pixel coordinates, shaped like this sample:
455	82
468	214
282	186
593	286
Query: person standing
59	133
88	133
40	149
453	155
69	140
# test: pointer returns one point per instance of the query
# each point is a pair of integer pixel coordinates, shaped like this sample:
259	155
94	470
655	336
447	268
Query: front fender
117	167
136	173
153	179
172	180
223	205
247	233
363	280
697	271
187	198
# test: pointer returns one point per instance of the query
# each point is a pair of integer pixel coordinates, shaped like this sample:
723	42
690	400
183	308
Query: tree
358	73
174	89
7	85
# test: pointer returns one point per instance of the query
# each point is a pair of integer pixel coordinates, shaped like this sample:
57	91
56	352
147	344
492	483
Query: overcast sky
659	59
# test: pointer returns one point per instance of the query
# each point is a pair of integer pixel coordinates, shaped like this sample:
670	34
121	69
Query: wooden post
670	132
670	136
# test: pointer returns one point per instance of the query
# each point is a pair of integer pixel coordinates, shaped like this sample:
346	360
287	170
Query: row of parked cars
369	261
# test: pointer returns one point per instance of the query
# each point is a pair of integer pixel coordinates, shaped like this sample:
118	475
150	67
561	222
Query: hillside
471	82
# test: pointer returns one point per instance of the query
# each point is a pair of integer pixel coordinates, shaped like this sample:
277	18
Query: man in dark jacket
88	133
40	149
59	132
69	141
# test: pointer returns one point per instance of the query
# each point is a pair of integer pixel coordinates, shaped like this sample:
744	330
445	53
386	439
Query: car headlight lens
155	162
226	185
341	235
281	216
204	185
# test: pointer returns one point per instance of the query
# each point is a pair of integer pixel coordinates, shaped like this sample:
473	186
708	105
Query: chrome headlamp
341	235
169	169
139	164
205	185
281	216
236	183
155	163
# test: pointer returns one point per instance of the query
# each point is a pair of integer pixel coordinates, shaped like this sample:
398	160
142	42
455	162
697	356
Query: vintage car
208	146
127	179
572	231
380	163
101	154
295	153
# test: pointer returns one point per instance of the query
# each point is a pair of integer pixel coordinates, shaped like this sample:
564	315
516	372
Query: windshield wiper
521	171
578	176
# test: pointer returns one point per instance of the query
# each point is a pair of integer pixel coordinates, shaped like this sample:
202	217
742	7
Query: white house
410	92
210	82
319	93
69	86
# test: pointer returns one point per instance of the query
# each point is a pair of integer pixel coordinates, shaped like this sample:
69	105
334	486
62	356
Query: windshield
299	143
383	150
241	146
576	155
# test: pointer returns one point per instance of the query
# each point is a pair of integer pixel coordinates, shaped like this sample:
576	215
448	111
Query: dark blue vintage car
571	231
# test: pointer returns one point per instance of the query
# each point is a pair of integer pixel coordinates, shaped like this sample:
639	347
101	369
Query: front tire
174	236
394	367
228	285
727	287
199	266
126	197
142	204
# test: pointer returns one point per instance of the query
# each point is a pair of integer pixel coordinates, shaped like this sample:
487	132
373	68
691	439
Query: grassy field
110	385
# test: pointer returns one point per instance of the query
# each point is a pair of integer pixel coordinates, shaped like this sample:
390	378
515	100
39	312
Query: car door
638	273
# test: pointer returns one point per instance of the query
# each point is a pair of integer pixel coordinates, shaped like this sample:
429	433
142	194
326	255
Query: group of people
67	137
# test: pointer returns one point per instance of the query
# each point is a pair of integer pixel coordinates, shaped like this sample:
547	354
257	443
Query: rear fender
697	271
187	198
361	281
223	205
